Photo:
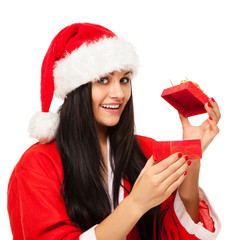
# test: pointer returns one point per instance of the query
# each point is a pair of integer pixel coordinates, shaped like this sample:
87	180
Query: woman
89	177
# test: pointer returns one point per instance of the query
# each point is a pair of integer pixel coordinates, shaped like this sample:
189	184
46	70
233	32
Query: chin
108	121
111	123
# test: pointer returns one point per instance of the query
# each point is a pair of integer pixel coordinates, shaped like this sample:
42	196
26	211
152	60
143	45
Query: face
110	94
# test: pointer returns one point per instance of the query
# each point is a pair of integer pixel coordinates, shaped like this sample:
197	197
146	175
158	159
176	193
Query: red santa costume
36	207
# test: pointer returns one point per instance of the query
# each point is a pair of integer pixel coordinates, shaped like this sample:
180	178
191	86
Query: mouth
111	106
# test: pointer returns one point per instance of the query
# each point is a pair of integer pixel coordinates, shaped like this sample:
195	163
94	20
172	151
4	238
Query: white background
199	40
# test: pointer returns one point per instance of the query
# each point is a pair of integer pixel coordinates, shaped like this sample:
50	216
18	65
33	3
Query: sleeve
209	225
36	207
89	234
176	224
146	145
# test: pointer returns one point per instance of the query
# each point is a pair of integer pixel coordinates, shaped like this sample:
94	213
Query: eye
125	80
103	80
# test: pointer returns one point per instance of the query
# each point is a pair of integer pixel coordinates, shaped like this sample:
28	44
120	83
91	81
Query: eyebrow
123	75
127	73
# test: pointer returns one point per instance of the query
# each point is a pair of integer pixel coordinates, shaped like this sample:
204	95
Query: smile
115	106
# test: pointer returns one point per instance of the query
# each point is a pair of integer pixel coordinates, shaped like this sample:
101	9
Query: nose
116	91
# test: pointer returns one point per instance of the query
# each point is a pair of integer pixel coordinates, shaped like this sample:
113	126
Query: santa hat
80	53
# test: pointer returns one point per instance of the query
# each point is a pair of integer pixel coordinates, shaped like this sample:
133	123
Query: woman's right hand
157	181
154	184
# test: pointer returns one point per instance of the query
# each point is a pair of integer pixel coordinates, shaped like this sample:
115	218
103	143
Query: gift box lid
187	98
163	149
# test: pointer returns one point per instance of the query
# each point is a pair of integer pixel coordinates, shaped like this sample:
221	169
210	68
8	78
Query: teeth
111	106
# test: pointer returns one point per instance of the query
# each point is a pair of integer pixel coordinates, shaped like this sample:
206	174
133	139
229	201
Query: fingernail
210	118
185	173
209	105
186	157
189	163
179	155
213	100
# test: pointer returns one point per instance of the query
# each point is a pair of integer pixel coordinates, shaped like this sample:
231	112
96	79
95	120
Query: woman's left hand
207	131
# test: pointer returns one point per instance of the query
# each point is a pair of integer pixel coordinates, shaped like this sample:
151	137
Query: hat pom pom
43	126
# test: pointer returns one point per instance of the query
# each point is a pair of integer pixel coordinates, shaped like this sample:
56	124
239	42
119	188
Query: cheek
94	101
96	94
128	94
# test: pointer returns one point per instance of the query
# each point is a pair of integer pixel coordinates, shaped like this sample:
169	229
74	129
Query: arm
176	223
36	210
154	185
189	190
34	197
120	222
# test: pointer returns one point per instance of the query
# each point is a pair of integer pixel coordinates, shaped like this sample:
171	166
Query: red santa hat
80	53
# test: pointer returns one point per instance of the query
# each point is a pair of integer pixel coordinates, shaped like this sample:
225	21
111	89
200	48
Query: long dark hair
83	187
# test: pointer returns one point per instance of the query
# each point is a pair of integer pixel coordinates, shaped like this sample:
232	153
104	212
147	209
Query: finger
184	120
150	162
175	176
175	185
164	164
168	182
215	107
175	167
211	111
214	126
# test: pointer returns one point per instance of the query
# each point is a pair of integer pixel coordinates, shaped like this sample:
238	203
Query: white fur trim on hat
43	126
89	62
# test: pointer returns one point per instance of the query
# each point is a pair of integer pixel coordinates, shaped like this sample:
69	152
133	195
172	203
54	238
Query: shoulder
43	159
146	144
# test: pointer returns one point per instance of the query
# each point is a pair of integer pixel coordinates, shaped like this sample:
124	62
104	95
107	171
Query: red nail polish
189	163
209	105
179	155
186	157
213	100
185	173
210	118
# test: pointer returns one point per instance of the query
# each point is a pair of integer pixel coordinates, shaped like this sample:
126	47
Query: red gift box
187	98
191	148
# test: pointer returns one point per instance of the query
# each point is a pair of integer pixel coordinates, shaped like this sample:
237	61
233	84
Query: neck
102	134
